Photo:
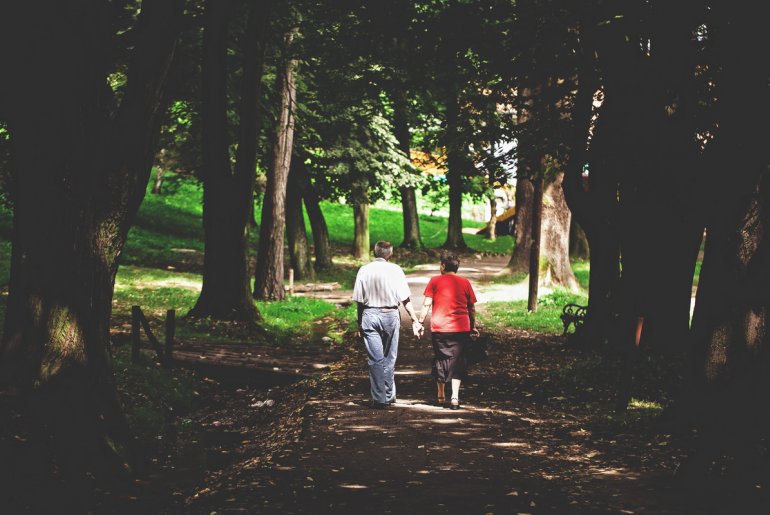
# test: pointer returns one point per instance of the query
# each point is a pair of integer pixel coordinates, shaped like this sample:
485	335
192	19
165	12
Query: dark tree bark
408	198
555	237
321	244
534	257
456	163
268	284
360	202
299	250
227	193
730	387
522	228
82	168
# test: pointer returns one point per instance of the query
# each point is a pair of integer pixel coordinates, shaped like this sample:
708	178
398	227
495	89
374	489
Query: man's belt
382	308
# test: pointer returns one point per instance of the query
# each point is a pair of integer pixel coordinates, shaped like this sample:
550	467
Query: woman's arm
472	316
426	304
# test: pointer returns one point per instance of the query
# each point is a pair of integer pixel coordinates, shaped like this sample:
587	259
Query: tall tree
82	157
730	385
296	234
268	284
457	166
318	227
408	196
228	192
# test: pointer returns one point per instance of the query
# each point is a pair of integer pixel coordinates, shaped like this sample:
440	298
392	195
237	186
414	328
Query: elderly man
380	287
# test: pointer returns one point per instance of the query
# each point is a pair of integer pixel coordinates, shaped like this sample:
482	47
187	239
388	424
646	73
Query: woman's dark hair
451	262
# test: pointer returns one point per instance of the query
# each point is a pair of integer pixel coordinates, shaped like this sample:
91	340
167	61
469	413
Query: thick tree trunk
299	250
228	195
730	386
408	198
321	244
268	284
578	241
81	172
522	228
555	238
456	161
360	202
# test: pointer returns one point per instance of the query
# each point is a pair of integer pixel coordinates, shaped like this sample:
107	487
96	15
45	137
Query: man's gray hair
383	249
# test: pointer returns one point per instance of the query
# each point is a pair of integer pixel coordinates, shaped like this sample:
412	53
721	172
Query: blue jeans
380	331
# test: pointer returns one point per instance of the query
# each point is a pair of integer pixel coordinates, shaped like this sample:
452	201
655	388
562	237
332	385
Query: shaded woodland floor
536	434
517	445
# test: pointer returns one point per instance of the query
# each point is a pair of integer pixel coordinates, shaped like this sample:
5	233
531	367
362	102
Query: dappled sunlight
510	444
417	372
352	486
447	421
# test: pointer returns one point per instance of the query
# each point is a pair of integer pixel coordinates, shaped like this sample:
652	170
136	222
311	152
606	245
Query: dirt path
520	444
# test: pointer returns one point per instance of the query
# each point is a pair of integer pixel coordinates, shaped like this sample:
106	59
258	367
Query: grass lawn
498	315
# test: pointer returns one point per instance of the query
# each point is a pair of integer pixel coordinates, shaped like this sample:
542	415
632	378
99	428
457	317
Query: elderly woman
452	323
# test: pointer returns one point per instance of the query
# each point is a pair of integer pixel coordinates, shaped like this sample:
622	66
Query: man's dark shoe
392	401
380	405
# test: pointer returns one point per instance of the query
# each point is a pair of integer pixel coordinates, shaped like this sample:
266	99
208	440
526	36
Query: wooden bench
573	314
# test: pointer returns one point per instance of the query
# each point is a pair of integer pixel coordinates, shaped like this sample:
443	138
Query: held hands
417	329
475	333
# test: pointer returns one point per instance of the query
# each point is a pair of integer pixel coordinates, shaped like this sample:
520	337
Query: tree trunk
268	284
81	172
321	245
159	173
730	386
522	228
408	198
490	232
456	161
578	241
296	234
555	237
228	195
360	201
534	257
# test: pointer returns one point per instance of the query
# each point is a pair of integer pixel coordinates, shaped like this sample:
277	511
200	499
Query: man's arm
416	326
410	309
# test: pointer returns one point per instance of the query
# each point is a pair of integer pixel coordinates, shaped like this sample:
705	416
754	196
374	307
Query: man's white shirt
380	284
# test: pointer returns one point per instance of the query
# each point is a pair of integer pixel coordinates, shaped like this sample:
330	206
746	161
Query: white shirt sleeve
403	286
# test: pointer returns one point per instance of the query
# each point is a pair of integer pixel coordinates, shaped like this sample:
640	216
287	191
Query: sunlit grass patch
387	224
582	269
155	290
296	317
514	315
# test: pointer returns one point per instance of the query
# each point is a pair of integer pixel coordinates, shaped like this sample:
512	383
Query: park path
518	445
